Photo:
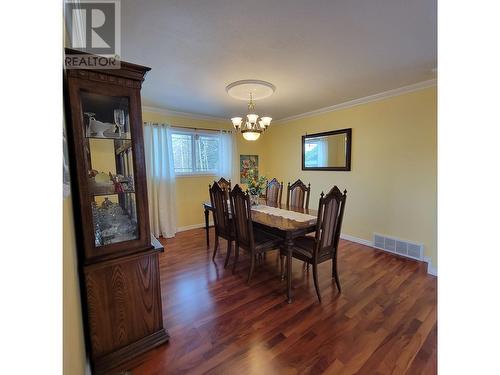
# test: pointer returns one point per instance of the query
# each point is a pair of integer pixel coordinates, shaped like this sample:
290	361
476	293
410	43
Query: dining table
286	222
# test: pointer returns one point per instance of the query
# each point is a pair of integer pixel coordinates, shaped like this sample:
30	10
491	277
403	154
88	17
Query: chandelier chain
251	105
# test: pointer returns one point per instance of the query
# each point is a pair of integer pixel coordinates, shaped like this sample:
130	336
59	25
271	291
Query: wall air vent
397	246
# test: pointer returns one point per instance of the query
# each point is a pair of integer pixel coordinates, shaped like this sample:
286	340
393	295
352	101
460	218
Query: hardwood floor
384	322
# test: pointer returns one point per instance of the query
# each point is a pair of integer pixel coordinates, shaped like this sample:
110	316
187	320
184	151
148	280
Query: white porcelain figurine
100	127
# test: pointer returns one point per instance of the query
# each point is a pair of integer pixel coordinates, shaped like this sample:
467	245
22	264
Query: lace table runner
292	215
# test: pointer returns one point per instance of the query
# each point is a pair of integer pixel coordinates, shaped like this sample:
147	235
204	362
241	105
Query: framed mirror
328	151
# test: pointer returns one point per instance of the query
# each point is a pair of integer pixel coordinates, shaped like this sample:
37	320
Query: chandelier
251	126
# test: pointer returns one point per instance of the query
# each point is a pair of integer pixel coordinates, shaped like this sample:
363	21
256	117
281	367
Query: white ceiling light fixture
253	90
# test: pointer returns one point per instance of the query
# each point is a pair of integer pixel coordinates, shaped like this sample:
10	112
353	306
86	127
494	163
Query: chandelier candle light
252	127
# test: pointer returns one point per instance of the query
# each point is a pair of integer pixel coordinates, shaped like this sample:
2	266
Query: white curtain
227	155
161	179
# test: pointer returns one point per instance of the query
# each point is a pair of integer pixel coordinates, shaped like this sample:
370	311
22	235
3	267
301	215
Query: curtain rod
193	128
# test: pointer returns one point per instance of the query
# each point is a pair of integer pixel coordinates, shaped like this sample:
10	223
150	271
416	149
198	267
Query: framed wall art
248	162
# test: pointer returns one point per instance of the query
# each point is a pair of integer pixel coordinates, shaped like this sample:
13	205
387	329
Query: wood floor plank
384	321
425	360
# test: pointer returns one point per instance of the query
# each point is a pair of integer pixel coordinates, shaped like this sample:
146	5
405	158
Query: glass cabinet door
109	158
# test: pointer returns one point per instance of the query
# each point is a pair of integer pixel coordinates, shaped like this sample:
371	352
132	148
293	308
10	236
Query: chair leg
229	248
216	245
282	267
252	266
315	277
335	272
236	255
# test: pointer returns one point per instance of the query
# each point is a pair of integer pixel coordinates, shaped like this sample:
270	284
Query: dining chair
274	190
255	241
222	223
324	245
297	194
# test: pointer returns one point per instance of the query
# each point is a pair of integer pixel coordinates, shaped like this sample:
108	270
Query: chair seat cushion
265	240
305	242
303	246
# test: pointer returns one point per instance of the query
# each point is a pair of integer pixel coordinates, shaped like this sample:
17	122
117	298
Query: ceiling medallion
251	89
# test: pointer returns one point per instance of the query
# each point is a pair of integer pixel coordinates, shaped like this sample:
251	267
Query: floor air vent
394	245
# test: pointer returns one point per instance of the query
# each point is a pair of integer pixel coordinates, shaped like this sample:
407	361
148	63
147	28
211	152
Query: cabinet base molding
106	363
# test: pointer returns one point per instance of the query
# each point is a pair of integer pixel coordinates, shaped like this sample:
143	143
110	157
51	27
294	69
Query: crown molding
168	112
351	103
367	99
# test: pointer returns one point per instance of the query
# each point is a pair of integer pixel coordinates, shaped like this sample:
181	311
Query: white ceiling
317	53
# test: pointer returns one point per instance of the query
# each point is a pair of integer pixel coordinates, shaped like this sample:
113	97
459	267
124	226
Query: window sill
196	175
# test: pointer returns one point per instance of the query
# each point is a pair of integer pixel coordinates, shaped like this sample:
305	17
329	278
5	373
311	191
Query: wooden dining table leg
207	229
289	247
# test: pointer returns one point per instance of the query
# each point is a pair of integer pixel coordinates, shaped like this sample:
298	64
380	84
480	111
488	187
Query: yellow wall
192	191
74	359
392	187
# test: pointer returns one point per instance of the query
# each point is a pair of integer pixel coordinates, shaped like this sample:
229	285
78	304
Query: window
195	153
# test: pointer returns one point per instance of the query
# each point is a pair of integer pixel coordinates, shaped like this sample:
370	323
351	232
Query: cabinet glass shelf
94	194
110	137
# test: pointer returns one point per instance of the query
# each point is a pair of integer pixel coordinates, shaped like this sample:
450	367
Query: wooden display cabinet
118	257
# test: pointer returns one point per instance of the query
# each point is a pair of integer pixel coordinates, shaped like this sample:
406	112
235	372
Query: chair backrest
297	194
330	215
218	198
224	184
242	217
274	190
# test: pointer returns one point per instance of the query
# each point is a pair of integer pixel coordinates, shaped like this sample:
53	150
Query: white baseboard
194	226
356	239
431	270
